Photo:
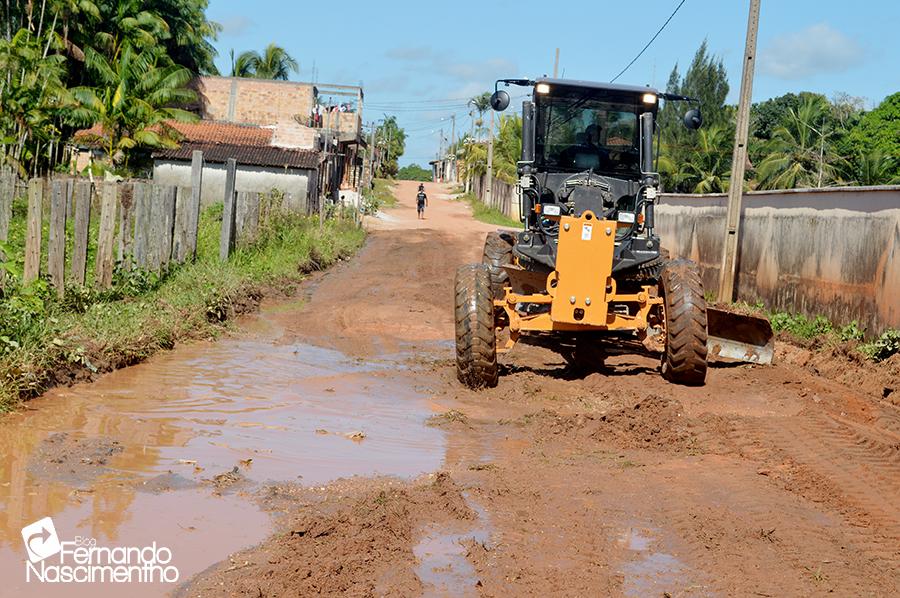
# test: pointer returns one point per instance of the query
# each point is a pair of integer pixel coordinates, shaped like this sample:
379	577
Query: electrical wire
652	39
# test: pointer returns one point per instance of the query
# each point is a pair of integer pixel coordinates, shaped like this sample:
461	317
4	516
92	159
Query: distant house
300	138
262	166
297	137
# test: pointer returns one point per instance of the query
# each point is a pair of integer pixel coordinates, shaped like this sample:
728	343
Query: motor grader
586	276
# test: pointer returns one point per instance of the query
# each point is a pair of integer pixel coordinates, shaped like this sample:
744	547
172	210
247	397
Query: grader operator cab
586	276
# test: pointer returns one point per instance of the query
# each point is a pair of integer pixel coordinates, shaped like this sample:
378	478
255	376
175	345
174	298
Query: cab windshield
576	131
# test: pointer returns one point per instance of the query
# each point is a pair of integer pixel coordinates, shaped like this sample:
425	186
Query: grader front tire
476	342
684	359
497	253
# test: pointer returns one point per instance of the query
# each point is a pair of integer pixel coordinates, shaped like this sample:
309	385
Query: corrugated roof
273	157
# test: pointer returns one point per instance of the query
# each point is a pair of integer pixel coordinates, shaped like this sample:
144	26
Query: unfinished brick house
301	138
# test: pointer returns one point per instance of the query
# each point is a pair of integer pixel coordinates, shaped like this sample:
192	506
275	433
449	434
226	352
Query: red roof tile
228	133
204	131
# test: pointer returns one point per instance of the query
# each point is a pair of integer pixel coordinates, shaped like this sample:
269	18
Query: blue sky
404	52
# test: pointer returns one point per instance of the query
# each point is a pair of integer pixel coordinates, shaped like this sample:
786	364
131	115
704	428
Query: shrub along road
767	481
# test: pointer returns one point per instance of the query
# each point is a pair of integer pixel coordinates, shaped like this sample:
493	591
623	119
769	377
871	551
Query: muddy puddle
651	571
172	450
441	552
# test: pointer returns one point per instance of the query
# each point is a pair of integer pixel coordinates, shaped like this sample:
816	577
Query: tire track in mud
852	470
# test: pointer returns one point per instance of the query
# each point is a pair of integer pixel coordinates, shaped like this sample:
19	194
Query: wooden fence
141	225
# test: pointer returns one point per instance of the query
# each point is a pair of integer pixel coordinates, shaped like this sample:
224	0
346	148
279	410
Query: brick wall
255	101
289	133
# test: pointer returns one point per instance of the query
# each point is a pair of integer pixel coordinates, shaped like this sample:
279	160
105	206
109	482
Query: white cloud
236	25
425	60
815	50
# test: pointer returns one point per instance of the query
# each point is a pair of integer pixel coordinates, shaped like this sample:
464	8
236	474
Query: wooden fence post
192	222
240	214
179	232
56	241
33	236
82	210
154	236
7	194
126	229
106	235
226	238
142	223
70	198
166	225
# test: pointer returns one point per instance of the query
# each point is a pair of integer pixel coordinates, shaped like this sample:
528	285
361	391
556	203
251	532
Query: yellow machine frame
581	288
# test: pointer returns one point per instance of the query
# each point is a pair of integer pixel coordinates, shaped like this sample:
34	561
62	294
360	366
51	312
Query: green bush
883	347
414	172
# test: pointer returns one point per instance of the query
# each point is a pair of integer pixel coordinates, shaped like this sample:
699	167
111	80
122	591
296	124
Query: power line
652	39
437	100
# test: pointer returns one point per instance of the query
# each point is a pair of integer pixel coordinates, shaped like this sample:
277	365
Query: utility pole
489	184
453	143
556	65
471	141
326	178
372	156
739	161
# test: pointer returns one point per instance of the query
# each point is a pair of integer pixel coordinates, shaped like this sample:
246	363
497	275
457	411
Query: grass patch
447	417
821	330
488	214
45	341
382	196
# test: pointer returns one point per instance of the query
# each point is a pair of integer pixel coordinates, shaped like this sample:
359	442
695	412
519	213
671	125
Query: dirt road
331	435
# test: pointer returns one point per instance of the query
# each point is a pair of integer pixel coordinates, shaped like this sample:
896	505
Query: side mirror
693	119
499	100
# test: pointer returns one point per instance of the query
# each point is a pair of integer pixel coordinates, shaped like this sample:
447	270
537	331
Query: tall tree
480	104
707	81
134	103
708	169
878	132
273	63
800	153
390	141
32	99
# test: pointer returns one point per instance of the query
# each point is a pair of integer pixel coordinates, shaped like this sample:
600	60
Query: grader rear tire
684	359
476	342
497	253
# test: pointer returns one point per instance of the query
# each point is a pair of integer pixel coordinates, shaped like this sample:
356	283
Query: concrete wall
834	252
297	182
504	198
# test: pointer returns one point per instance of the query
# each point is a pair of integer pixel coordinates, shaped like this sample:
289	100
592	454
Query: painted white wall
257	179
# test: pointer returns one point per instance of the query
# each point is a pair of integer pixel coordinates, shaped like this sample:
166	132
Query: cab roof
597	85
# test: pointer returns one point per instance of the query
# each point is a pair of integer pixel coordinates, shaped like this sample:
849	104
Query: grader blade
739	337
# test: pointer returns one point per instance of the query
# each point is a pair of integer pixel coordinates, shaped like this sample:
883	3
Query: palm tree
243	65
134	102
708	168
876	168
273	63
481	104
32	99
799	154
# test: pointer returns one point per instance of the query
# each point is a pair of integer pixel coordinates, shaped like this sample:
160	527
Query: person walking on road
421	202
